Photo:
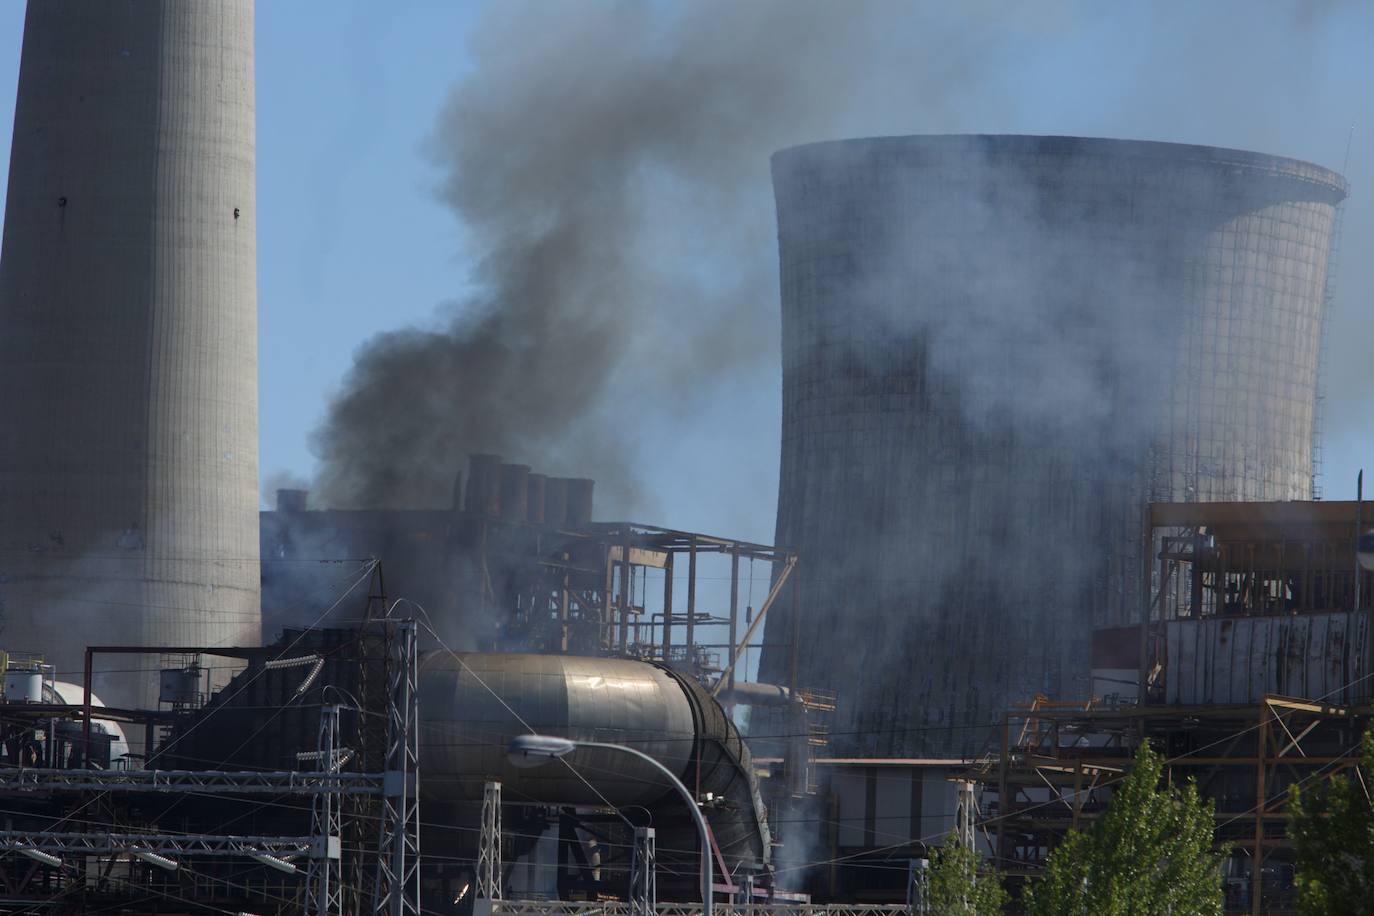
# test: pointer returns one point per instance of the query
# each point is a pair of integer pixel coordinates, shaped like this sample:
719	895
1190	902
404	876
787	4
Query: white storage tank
180	686
24	685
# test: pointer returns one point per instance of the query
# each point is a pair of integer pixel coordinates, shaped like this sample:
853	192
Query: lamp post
535	750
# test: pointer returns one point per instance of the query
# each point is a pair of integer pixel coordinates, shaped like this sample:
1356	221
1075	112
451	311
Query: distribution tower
128	340
996	350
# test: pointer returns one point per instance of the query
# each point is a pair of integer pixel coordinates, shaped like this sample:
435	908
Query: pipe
534	496
579	501
483	493
755	693
556	502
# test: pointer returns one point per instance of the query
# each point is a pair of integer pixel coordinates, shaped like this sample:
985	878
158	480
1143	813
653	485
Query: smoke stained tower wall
996	350
128	351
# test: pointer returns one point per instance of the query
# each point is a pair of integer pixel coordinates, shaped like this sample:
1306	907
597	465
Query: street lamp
535	750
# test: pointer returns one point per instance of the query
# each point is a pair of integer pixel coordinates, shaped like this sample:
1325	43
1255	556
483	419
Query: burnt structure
503	570
457	563
996	352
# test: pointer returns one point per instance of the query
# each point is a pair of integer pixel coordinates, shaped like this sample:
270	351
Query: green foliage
961	885
1150	854
1332	830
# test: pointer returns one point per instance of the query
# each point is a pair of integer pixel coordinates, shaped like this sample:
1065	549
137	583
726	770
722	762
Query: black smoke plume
598	164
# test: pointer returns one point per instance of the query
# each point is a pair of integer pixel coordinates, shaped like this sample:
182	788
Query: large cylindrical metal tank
996	350
473	704
466	727
128	339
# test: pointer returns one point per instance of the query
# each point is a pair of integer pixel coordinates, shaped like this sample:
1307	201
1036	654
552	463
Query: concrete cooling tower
128	342
996	350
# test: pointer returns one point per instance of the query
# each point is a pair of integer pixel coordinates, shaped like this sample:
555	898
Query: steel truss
1060	761
397	888
489	851
643	874
324	883
284	782
163	844
564	908
398	841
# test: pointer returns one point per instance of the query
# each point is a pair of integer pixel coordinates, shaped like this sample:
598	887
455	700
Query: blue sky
354	239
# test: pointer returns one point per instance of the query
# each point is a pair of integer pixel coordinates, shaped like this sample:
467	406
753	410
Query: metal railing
200	781
566	908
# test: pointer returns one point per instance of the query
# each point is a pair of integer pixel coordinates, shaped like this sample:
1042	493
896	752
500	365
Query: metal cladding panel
1240	659
996	351
128	338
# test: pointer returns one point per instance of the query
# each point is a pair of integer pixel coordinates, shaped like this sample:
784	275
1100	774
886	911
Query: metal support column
398	844
691	605
918	887
488	884
324	880
1261	791
1004	805
626	606
667	608
746	892
643	882
965	813
734	619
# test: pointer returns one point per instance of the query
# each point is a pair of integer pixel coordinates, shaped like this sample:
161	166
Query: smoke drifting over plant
608	163
598	163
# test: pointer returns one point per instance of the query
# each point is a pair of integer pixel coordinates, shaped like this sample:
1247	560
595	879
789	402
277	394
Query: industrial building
1046	492
1249	669
128	356
997	350
575	645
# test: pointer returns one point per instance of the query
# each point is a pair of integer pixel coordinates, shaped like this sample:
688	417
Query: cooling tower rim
1042	144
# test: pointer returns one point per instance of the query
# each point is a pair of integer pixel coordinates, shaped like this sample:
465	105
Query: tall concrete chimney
128	338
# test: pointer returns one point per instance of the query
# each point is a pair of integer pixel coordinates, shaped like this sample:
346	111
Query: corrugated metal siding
1239	659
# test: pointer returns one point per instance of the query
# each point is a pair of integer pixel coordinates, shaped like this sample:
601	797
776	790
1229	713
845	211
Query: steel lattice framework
398	842
489	850
644	873
163	844
603	908
397	888
324	883
214	782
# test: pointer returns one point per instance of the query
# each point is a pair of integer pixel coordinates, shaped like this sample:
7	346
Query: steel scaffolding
324	883
398	841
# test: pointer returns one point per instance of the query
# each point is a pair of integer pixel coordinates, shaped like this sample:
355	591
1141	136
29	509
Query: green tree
960	884
1150	854
1332	830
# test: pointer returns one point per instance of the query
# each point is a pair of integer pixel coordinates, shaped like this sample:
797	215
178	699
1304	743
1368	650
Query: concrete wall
996	350
128	340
